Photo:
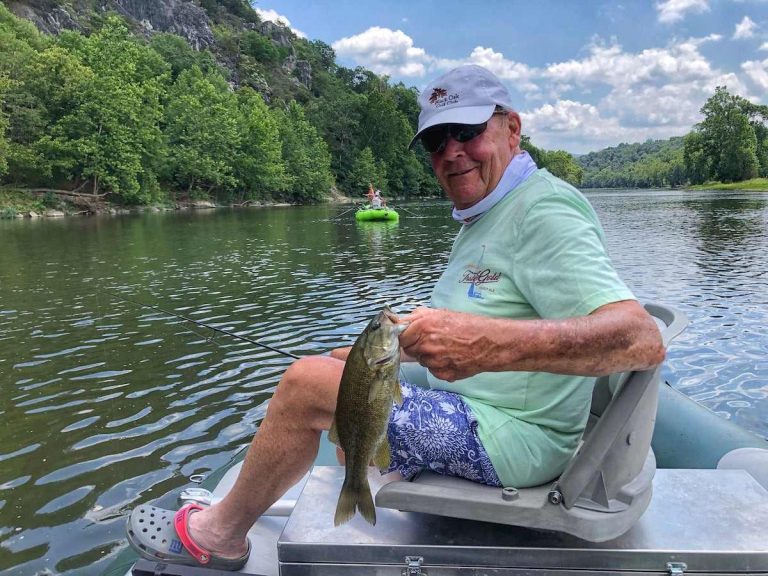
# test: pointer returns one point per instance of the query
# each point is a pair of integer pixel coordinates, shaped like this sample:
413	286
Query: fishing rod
202	324
355	207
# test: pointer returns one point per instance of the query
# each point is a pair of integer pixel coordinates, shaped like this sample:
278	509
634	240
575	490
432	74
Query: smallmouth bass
369	385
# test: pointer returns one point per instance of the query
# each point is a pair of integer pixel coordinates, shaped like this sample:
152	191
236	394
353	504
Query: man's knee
310	386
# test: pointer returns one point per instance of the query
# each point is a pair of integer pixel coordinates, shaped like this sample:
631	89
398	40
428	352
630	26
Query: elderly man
528	310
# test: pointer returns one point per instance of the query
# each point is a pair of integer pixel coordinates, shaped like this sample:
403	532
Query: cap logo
440	98
437	93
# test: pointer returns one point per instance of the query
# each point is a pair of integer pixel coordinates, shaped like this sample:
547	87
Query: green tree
364	171
54	87
180	56
258	164
536	154
697	163
728	139
24	121
112	134
259	47
306	156
4	84
201	121
562	165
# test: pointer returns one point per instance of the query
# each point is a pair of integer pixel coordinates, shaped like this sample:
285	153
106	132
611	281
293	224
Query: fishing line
355	207
409	212
202	324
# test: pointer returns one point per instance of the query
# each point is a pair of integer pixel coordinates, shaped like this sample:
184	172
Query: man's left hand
449	344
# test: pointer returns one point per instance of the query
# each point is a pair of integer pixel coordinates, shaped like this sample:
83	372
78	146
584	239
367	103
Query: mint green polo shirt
539	253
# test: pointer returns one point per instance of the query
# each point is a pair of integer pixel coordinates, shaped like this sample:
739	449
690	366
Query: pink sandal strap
181	523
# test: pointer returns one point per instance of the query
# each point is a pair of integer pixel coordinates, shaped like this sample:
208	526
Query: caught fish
368	386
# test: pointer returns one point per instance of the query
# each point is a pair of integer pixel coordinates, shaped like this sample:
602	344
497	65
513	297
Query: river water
105	404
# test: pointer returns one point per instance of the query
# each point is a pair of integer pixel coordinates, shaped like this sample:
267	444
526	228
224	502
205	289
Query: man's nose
452	147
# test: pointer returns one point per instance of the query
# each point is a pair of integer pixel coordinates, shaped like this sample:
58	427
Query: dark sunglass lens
433	140
465	132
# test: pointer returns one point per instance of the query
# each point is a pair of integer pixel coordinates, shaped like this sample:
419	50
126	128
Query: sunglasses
435	139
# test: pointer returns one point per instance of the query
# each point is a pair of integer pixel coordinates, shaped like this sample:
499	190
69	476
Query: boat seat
604	489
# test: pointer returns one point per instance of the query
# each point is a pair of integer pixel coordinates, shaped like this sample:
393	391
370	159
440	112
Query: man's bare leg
281	452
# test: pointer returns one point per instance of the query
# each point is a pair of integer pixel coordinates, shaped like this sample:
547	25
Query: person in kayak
498	369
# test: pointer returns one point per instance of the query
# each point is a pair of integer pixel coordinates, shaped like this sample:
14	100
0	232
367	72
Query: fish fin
398	393
333	434
382	458
373	391
355	496
365	504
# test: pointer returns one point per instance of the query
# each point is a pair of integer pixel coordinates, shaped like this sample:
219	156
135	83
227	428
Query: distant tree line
151	121
729	145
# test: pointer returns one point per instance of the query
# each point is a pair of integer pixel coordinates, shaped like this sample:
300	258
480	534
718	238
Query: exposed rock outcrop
302	69
47	16
181	17
185	19
278	33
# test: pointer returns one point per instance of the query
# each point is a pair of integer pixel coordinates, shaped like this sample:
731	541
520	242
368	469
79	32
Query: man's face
469	171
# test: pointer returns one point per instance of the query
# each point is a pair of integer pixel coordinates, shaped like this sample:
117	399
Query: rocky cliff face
47	16
184	19
181	17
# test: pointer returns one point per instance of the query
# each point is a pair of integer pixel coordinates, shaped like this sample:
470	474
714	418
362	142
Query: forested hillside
159	101
654	163
729	145
249	117
147	101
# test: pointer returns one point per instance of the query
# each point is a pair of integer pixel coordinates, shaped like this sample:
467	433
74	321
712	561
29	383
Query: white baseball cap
468	94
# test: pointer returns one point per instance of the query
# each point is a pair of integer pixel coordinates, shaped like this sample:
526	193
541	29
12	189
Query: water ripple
107	404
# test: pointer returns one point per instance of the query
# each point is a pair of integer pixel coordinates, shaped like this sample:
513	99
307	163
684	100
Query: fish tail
355	496
365	503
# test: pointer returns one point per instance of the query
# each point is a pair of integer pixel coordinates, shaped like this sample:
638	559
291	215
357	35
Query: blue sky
585	74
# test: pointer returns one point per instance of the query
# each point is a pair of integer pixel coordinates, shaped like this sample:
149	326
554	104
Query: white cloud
654	93
272	16
744	29
608	96
578	128
673	10
385	51
517	74
609	64
572	126
757	73
764	46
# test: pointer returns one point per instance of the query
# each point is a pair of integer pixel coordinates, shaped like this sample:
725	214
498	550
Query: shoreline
19	204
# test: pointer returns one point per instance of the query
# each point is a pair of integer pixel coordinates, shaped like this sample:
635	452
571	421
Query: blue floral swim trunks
436	430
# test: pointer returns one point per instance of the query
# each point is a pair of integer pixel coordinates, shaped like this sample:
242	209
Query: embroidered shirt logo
478	277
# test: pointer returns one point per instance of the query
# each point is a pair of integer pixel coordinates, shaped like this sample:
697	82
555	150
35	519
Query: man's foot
163	536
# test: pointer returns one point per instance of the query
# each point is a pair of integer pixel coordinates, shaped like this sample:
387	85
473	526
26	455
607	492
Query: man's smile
461	172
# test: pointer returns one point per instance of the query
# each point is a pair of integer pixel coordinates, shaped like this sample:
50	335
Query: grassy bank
13	202
754	184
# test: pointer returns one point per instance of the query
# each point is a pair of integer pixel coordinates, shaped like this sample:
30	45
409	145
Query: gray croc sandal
163	536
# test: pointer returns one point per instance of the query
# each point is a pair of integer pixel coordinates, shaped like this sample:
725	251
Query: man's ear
515	124
515	129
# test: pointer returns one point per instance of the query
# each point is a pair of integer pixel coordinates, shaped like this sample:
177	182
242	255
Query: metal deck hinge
413	566
676	568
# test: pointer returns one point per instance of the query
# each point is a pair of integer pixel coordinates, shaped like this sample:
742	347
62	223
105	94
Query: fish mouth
386	357
382	361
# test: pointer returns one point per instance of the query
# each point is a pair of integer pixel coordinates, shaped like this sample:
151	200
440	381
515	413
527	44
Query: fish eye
375	325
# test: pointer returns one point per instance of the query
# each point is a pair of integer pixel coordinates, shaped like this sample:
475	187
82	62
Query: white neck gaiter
521	166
